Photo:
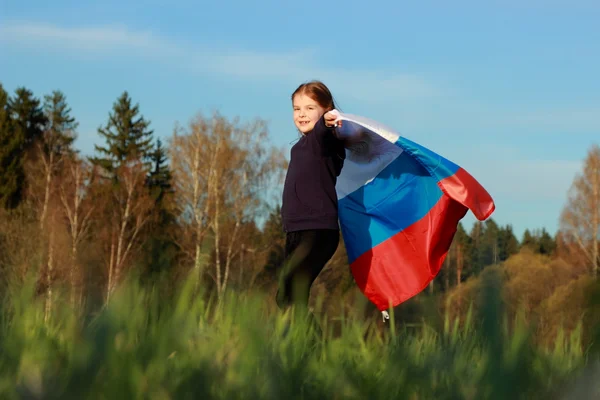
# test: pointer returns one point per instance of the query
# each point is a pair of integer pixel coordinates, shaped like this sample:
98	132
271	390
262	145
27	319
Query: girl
310	208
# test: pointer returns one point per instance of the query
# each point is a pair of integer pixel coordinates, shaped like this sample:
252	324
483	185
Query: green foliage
60	130
127	136
11	157
507	243
28	116
22	123
539	241
528	239
160	178
160	250
547	244
478	250
146	345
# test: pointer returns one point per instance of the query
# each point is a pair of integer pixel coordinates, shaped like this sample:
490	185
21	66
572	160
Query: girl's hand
330	120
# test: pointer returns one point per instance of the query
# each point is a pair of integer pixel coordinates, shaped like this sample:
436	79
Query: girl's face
306	113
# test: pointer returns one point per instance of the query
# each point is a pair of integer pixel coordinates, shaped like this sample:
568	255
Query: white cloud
294	66
88	39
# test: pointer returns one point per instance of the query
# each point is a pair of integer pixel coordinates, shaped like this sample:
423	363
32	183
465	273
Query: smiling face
306	112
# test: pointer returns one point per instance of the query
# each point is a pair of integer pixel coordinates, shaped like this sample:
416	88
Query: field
143	345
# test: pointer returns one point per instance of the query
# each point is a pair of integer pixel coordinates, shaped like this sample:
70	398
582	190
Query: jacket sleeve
324	138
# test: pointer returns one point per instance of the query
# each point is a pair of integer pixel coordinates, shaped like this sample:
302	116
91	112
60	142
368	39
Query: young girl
310	208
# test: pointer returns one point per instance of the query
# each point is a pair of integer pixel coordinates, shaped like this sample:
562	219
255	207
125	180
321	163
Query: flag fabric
399	207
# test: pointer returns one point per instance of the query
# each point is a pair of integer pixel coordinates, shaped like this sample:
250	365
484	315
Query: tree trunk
216	225
217	249
230	254
459	264
197	260
49	276
79	222
43	216
47	187
242	262
198	218
74	274
121	239
111	268
448	269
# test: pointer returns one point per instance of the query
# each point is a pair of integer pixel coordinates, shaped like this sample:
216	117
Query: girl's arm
329	119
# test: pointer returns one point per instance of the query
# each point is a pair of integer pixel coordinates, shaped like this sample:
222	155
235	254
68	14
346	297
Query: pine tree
477	260
529	240
491	243
485	250
508	243
127	136
28	117
12	175
60	130
462	250
547	244
23	125
160	249
159	180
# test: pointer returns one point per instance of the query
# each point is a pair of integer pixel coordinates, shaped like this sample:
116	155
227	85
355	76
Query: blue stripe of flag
402	194
438	166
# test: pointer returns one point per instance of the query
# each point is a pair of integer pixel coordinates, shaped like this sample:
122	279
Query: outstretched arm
331	121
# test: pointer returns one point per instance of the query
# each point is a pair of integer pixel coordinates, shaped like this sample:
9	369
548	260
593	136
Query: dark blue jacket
309	196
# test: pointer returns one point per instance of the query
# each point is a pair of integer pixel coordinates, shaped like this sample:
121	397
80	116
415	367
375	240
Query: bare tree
41	174
43	170
193	161
77	207
126	210
221	171
247	169
580	219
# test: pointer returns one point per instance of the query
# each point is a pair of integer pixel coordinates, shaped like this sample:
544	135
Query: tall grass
145	346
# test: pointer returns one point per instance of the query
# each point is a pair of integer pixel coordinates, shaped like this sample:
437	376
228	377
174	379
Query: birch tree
127	209
580	219
221	171
77	209
51	149
247	169
193	161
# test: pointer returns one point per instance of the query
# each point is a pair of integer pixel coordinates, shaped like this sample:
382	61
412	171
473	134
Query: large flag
399	207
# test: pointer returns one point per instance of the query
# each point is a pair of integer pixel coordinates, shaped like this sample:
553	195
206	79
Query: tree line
194	204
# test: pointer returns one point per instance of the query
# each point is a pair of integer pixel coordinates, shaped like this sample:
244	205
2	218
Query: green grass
145	346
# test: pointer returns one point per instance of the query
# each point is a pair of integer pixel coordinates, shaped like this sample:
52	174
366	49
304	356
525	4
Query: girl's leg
307	253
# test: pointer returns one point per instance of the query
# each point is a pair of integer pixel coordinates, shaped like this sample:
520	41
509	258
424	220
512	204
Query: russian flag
399	207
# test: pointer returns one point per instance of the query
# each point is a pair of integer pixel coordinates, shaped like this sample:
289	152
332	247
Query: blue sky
508	90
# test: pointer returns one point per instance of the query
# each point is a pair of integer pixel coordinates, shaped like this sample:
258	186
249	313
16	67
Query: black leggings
306	253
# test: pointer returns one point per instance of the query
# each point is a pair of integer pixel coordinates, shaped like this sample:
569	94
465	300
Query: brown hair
317	91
